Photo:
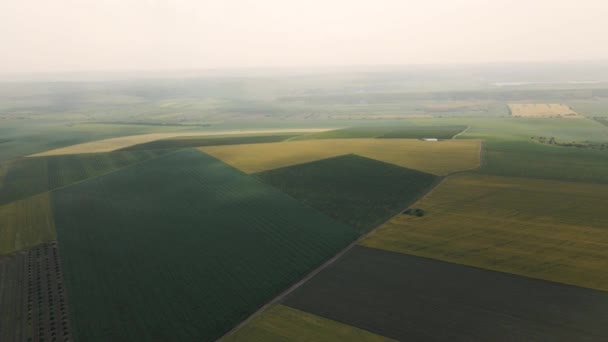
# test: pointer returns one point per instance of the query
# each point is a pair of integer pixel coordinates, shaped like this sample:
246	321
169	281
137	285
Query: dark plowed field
416	299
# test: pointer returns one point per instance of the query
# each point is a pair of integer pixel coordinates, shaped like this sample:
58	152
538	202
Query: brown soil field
543	229
439	158
543	110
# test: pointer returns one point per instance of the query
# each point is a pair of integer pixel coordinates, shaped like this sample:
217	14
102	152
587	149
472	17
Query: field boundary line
482	154
329	262
482	148
481	268
67	185
463	131
297	136
111	172
312	133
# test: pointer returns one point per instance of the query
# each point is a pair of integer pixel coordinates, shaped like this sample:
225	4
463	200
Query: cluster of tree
545	140
578	144
414	212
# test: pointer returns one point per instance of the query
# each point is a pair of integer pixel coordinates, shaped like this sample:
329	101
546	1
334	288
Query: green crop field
355	190
386	132
209	141
182	247
29	176
282	323
534	160
439	132
510	151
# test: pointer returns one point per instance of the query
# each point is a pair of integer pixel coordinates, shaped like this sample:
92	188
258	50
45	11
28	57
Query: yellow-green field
282	323
543	110
113	144
380	116
26	223
439	158
550	230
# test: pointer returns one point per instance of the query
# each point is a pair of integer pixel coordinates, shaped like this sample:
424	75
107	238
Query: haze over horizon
86	35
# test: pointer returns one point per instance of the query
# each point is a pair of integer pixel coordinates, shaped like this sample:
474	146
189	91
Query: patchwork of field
510	150
537	228
282	323
182	247
358	191
186	142
533	160
439	158
33	305
29	176
543	110
26	223
389	132
113	144
409	298
26	137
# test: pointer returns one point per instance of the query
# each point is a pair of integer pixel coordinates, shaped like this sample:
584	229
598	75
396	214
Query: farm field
522	129
29	176
380	116
186	142
25	137
542	229
543	110
3	170
185	245
389	132
409	298
166	233
26	223
596	108
439	158
282	323
33	304
113	144
510	150
358	191
533	160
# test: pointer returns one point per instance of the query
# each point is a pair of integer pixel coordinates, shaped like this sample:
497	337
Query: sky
116	35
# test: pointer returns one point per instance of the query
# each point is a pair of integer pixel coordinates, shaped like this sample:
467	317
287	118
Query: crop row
33	297
182	247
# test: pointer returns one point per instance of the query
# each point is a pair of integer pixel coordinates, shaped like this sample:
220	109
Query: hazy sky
91	35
